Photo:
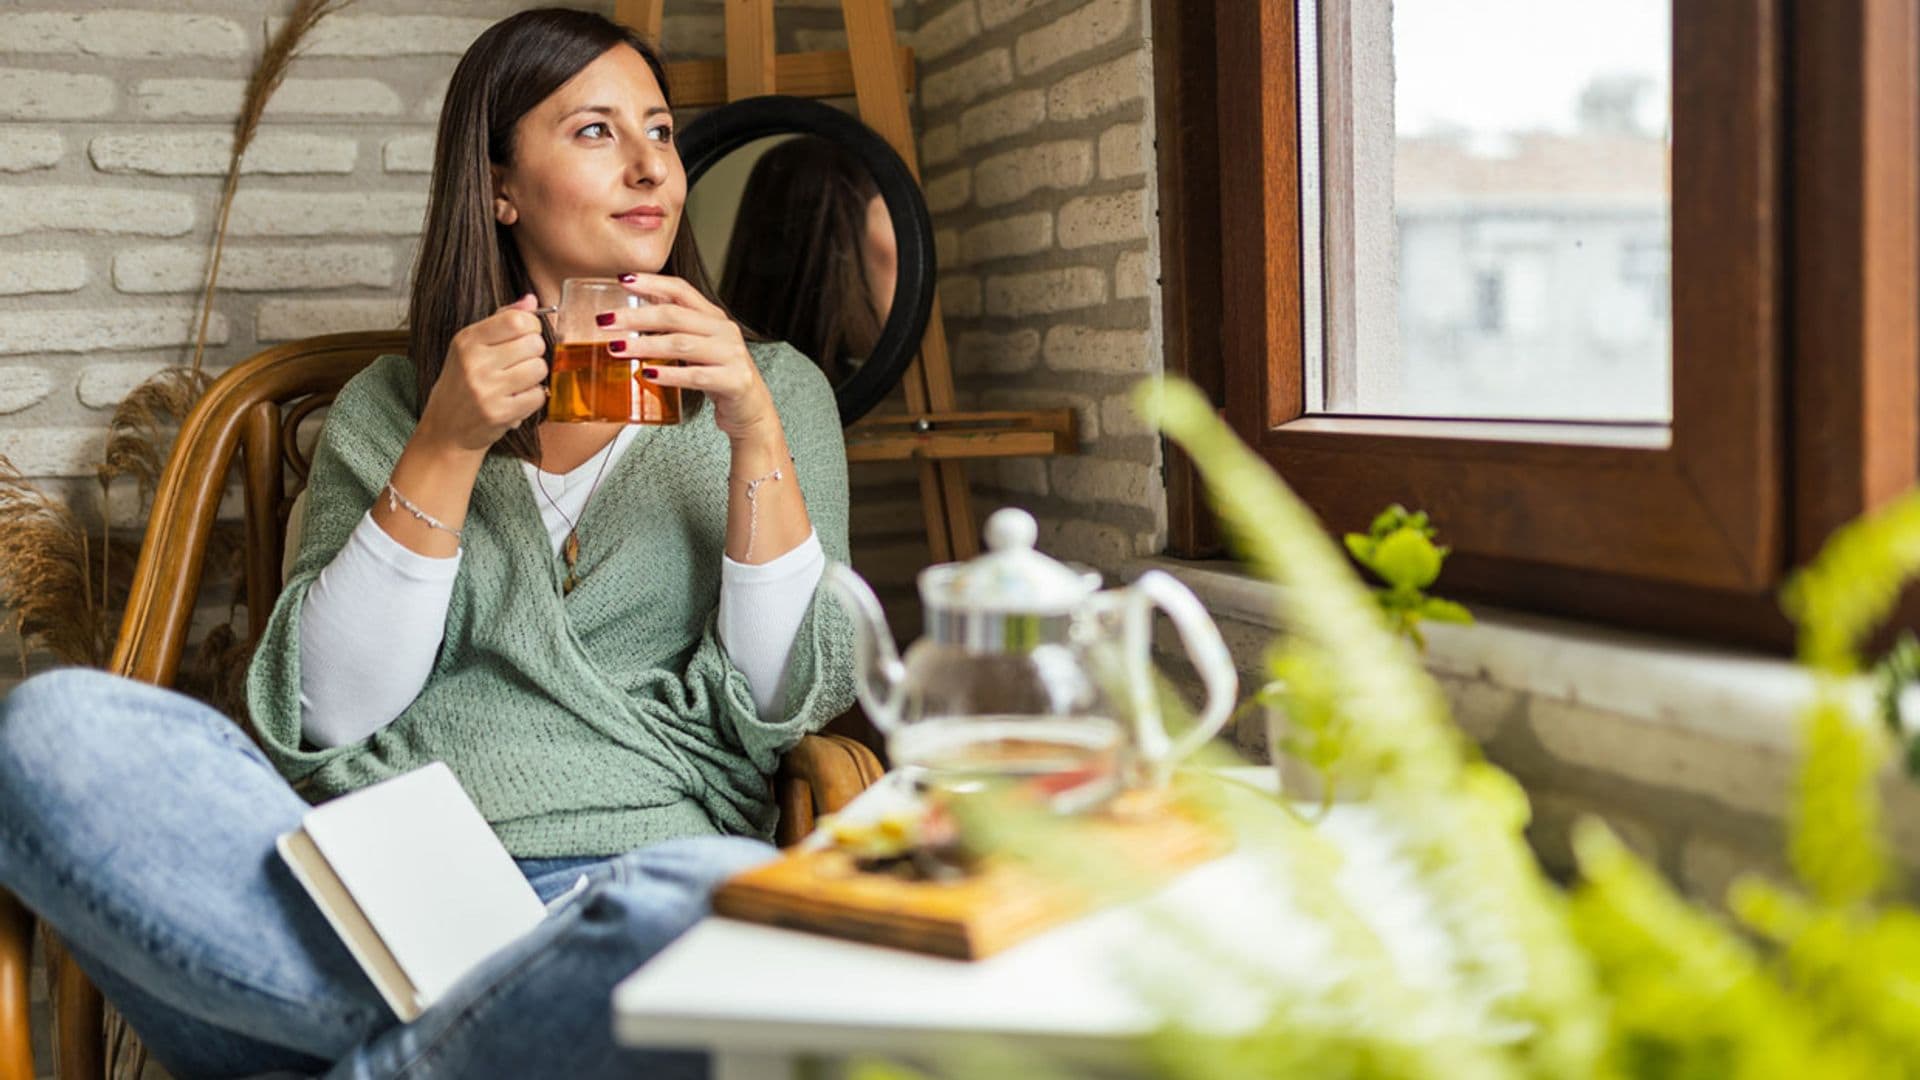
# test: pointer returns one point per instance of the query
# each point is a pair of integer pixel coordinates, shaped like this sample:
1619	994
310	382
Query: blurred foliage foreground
1617	976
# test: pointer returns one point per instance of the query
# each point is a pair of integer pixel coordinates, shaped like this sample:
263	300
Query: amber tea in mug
588	382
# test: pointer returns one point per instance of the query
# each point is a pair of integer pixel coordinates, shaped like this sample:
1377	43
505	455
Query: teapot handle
1205	649
879	675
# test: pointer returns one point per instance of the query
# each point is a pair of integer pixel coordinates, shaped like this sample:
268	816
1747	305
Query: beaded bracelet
396	501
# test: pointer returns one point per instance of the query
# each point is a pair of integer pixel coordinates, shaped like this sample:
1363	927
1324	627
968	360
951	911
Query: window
1642	406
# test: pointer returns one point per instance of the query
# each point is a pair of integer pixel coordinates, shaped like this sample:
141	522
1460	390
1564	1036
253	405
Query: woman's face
596	186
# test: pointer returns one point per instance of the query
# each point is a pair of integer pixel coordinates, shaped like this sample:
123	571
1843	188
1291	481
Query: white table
764	1000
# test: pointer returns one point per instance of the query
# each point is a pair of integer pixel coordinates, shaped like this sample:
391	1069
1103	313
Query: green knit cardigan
600	721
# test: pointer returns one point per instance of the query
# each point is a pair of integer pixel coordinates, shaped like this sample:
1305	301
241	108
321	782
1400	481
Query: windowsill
1637	436
1715	692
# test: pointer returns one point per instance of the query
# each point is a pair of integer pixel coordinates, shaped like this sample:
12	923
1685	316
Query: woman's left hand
681	325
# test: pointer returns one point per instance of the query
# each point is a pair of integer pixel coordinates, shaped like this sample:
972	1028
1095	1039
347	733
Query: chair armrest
817	777
16	961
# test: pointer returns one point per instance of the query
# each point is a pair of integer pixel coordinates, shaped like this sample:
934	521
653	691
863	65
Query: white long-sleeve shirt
354	682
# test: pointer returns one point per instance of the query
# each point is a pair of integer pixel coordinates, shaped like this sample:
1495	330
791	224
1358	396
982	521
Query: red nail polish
605	318
628	279
616	346
649	373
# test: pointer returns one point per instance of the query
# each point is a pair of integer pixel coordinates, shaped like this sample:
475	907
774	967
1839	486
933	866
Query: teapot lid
1011	577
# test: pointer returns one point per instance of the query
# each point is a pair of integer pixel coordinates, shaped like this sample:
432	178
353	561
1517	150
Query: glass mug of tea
590	383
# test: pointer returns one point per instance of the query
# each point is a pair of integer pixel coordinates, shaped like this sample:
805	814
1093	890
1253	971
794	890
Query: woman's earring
504	213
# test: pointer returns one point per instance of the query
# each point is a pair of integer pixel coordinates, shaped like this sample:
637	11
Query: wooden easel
877	71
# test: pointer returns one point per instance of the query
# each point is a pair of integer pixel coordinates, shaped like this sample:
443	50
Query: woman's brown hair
794	269
469	265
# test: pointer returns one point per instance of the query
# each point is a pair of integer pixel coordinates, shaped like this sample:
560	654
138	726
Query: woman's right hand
491	380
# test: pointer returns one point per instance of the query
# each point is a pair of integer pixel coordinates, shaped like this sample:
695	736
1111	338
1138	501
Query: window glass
1495	231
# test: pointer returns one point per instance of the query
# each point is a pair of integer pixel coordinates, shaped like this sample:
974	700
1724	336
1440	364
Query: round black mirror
790	222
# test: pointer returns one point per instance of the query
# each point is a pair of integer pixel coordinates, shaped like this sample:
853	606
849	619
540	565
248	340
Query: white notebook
414	881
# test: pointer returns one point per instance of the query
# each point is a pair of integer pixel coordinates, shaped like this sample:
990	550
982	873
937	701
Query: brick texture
1036	129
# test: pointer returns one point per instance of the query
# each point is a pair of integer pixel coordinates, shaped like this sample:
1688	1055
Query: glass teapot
1029	673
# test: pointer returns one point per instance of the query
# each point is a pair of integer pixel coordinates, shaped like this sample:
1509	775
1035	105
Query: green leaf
1445	611
1361	548
1406	559
1387	521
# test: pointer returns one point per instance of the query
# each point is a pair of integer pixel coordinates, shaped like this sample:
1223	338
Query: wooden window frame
1795	393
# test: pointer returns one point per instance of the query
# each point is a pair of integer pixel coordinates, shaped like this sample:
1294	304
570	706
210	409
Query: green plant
1399	549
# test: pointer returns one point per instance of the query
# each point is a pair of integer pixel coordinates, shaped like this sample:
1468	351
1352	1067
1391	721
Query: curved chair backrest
255	410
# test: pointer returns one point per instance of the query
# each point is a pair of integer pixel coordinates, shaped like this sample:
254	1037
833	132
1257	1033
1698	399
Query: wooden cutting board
1001	903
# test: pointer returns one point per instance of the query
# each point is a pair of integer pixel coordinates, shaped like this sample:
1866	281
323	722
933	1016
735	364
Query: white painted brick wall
23	387
998	354
408	153
948	192
115	132
317	213
1022	234
1076	33
1097	91
1130	276
354	34
102	386
944	31
940	145
1012	176
1046	292
1037	139
27	94
206	153
960	296
255	269
1079	348
994	13
968	80
1003	117
1122	154
26	149
42	272
285	320
1104	219
126	35
96	209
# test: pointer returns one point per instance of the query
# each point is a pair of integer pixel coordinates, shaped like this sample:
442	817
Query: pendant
570	554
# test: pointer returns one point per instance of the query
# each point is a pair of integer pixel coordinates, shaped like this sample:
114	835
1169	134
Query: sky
1519	65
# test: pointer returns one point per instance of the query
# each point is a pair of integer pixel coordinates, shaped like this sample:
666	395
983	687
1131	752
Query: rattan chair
256	411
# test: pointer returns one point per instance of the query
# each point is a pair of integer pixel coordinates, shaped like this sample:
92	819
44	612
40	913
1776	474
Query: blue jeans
140	824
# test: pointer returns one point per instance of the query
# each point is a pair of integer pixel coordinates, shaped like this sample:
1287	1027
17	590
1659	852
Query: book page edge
331	896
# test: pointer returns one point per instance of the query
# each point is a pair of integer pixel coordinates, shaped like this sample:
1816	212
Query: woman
812	259
609	634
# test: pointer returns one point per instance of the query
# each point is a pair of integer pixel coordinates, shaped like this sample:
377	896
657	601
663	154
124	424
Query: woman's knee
64	729
51	718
